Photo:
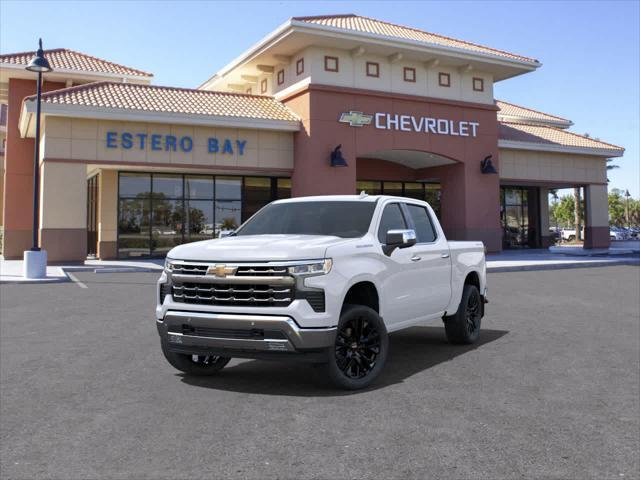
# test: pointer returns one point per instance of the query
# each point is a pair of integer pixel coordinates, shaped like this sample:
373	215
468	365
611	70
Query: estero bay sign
411	123
171	143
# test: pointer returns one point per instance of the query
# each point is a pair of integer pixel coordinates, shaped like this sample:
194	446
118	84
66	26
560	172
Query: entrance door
519	216
92	216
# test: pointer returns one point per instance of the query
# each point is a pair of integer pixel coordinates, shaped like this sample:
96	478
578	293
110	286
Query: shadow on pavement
411	351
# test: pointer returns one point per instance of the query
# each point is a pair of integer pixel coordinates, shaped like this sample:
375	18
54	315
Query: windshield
340	219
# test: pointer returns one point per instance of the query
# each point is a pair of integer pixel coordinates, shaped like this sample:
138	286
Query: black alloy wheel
360	349
463	327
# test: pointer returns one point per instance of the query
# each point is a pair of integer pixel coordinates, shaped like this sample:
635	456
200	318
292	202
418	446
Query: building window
263	86
159	211
478	84
373	69
429	192
248	91
444	79
331	64
300	66
409	74
280	77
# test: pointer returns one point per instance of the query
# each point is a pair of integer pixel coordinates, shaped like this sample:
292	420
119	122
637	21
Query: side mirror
399	239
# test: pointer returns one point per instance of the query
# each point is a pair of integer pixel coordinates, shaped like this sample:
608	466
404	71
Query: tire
360	350
571	238
198	365
464	326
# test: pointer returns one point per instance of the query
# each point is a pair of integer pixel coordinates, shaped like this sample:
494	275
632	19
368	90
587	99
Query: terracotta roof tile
152	98
513	110
379	27
517	132
65	59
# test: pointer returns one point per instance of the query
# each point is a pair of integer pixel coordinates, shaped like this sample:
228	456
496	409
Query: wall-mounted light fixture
486	166
337	160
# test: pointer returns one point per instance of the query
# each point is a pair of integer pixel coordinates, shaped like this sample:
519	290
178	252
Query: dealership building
322	105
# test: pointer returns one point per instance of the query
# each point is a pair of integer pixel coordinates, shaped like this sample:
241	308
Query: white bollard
35	264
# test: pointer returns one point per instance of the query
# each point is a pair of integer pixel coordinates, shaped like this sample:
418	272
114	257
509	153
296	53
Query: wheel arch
363	292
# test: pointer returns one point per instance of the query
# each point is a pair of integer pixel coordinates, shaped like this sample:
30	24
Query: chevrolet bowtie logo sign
355	119
221	270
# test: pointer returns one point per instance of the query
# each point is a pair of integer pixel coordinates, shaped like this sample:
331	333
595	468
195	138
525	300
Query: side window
392	219
425	232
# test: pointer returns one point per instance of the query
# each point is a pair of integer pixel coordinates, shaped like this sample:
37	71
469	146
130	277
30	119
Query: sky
590	51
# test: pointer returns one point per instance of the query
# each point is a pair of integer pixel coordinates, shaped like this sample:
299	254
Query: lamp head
337	160
39	62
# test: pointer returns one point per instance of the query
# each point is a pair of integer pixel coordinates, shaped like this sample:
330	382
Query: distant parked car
569	234
617	234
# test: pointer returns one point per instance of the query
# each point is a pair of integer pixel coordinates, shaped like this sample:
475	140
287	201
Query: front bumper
240	335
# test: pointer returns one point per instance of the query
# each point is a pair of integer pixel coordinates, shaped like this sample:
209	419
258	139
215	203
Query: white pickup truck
323	279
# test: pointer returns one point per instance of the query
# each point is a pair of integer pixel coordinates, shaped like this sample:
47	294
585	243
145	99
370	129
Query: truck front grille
251	295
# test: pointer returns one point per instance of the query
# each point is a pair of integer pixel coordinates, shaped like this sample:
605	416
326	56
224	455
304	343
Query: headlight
168	265
321	267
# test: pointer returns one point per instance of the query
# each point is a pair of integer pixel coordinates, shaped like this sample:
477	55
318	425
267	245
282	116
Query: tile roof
512	110
544	135
370	25
65	59
152	98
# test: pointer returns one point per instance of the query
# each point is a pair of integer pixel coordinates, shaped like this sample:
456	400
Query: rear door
432	260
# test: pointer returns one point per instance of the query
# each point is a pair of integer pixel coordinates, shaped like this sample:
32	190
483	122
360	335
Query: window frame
327	59
480	82
407	70
300	66
280	76
443	75
263	85
413	225
379	222
377	67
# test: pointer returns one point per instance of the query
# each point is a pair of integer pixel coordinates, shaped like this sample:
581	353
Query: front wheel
360	349
464	326
199	365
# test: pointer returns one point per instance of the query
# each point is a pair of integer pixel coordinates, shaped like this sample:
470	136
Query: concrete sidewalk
506	261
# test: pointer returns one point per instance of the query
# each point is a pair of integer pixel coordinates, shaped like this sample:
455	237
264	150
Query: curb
562	266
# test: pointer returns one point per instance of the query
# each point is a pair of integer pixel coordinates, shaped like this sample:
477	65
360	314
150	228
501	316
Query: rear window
349	219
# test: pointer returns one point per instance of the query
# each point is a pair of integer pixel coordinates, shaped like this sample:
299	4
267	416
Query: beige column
546	240
107	214
63	211
596	216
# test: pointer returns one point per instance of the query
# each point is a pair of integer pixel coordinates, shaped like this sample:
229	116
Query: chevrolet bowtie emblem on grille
221	270
356	119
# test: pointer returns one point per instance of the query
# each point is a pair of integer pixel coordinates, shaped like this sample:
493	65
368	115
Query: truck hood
262	248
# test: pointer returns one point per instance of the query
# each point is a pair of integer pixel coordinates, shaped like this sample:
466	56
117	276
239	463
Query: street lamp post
626	208
35	260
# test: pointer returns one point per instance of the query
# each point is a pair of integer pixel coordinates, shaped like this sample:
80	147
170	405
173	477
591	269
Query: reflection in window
159	211
228	216
228	188
133	227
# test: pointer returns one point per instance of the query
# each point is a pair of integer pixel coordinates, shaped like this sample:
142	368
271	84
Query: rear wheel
200	365
360	349
464	326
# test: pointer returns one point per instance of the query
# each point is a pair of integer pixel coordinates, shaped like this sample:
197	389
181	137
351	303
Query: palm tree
576	210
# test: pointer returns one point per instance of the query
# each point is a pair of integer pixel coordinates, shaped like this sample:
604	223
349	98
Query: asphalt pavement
550	391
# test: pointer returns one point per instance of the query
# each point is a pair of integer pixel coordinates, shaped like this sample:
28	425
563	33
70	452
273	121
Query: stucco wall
85	140
552	167
352	73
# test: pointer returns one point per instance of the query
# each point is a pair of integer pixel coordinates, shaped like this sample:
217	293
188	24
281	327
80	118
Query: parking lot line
75	280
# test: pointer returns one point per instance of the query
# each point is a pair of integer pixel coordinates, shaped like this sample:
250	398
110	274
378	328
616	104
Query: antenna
363	194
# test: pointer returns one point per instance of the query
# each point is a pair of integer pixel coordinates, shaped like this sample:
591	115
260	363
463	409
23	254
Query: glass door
92	216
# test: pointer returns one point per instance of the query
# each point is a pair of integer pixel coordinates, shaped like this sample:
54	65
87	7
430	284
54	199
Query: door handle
416	258
444	255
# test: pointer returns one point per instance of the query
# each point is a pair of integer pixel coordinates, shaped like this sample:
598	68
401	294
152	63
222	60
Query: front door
92	216
432	261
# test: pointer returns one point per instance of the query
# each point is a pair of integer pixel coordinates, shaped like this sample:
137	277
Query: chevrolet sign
221	270
355	119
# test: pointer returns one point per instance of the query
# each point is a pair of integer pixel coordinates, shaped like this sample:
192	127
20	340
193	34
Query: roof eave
293	25
532	121
120	114
466	54
543	147
88	73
